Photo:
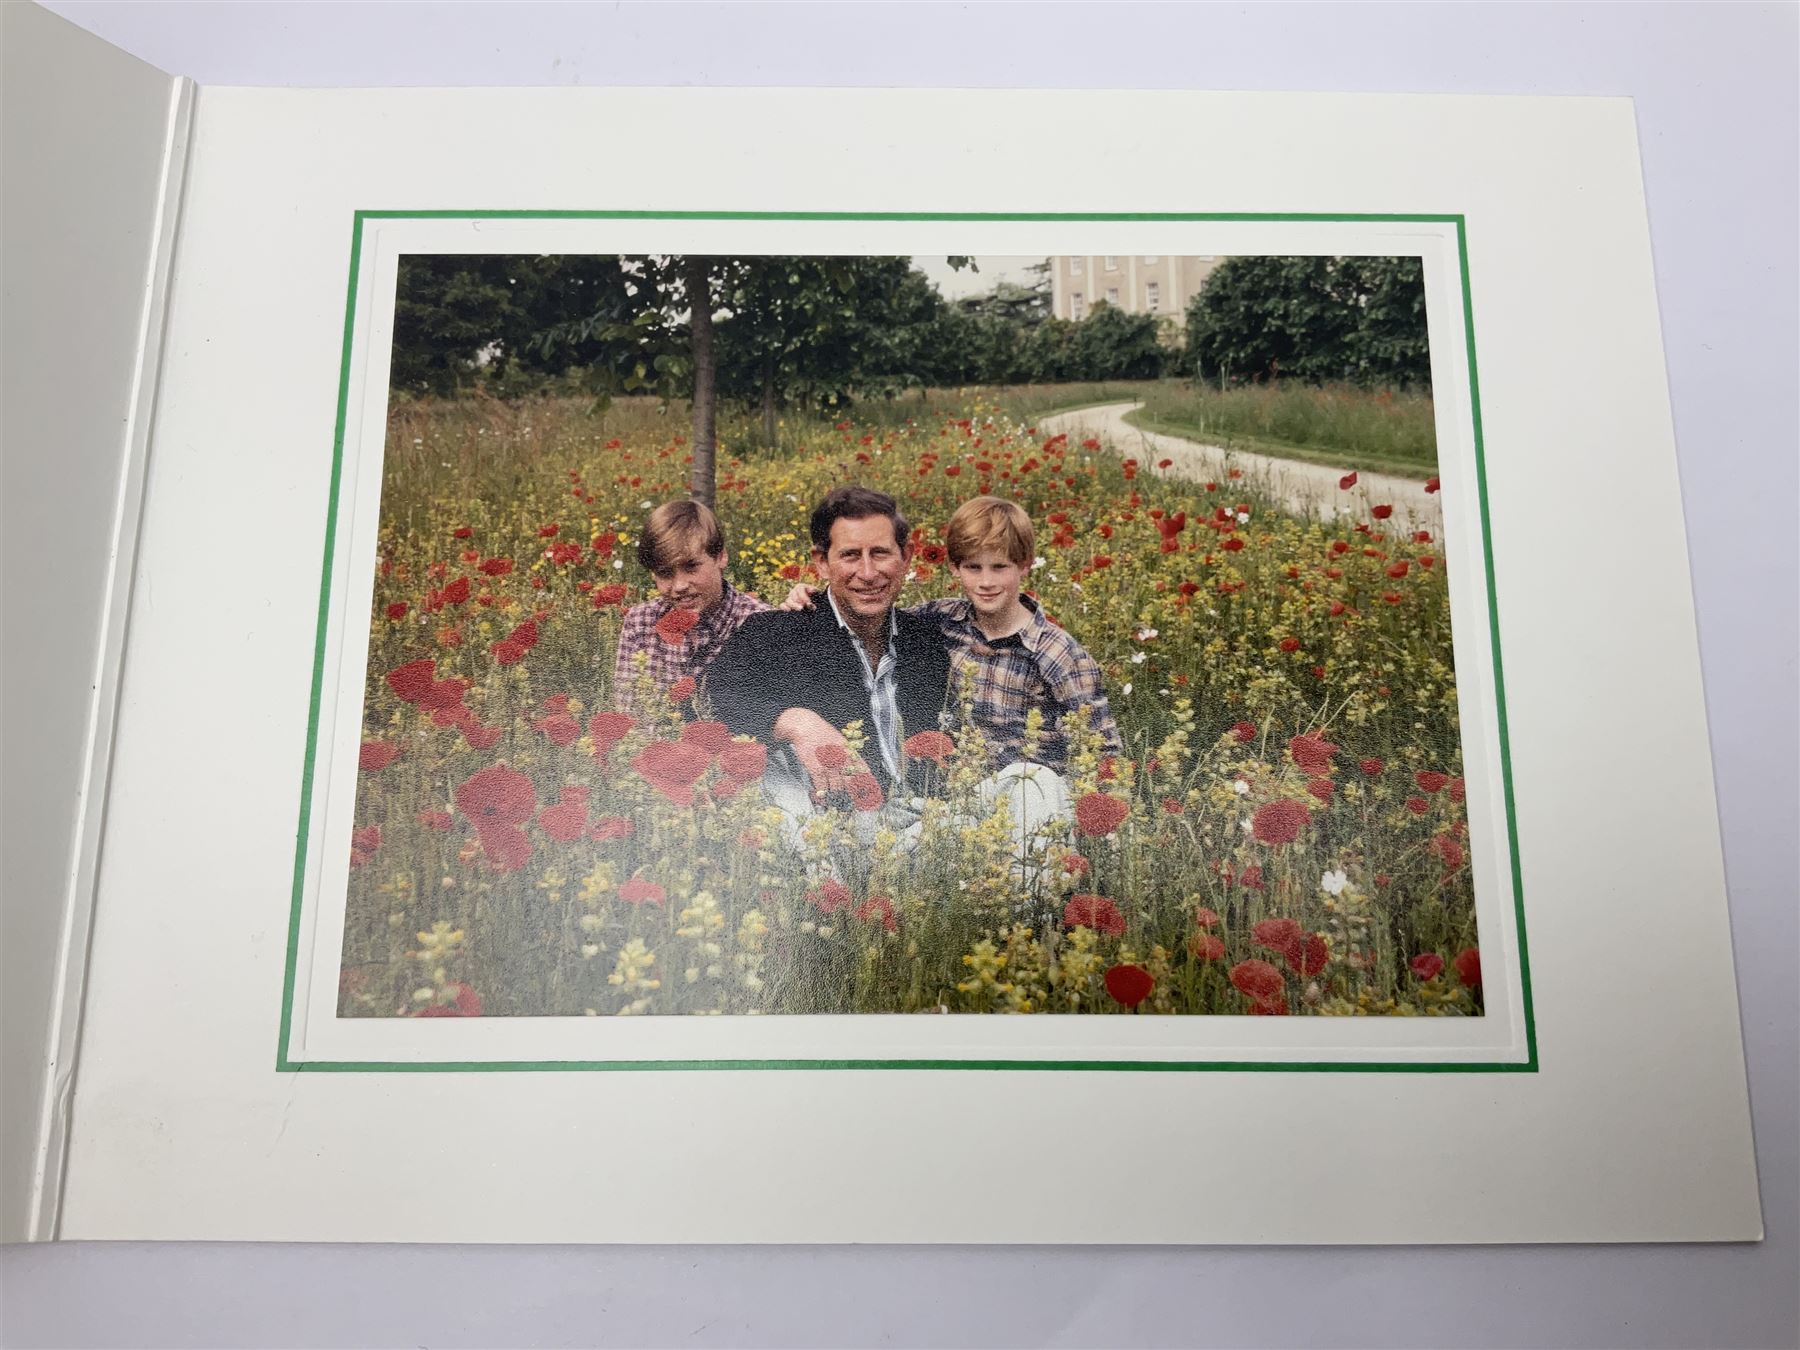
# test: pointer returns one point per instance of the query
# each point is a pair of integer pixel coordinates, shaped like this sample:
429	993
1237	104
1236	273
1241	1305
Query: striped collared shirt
881	681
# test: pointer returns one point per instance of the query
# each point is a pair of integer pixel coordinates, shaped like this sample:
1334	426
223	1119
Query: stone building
1135	283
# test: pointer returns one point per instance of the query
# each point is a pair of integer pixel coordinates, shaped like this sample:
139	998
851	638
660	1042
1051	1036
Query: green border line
284	1065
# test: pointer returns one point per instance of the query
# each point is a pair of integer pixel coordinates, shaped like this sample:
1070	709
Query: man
696	609
795	679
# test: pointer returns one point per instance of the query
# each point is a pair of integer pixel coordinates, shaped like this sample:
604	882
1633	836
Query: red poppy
1075	865
397	610
611	594
1290	644
1129	985
1426	560
1281	935
1205	947
363	844
1279	822
1252	877
480	737
412	680
1371	766
1308	956
608	729
1392	597
1312	752
1398	570
1429	780
496	567
711	737
1417	805
1095	912
1172	806
497	796
672	768
637	891
1164	463
1322	788
1348	481
1427	965
672	628
376	756
1097	814
462	532
456	715
865	792
548	531
566	821
612	827
682	690
1244	731
443	694
830	896
1431	483
932	745
1457	790
1258	980
559	728
1381	512
1449	850
1234	545
507	847
878	909
465	1003
743	761
1468	966
1273	1007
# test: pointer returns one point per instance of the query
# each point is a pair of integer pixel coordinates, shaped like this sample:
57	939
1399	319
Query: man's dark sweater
804	659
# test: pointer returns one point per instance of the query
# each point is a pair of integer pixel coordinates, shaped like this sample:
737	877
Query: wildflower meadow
1286	833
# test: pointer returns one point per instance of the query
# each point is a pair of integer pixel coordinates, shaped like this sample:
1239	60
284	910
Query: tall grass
1381	428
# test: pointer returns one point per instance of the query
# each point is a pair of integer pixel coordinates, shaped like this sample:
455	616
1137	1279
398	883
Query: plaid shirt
1040	666
669	662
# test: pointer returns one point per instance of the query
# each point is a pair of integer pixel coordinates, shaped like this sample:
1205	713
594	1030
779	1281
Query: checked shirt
1040	666
671	661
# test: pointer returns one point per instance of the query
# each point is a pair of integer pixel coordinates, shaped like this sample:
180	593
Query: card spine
62	1049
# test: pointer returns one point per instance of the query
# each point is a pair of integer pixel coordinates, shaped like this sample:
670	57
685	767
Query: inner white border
317	1035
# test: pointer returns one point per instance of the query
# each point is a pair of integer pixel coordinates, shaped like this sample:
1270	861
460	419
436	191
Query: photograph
856	634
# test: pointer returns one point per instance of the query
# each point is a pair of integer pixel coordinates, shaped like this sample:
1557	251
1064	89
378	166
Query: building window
1152	296
1075	266
1112	263
1112	296
1152	259
1075	304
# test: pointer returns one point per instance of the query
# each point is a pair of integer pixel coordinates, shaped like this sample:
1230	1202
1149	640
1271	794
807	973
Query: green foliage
1356	320
459	319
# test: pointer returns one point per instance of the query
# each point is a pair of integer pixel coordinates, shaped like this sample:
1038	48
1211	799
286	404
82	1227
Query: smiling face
864	568
693	581
991	580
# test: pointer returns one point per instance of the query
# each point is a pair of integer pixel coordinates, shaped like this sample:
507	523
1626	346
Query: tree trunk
706	396
768	406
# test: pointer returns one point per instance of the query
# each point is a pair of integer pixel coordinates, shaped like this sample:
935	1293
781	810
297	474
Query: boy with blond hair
1015	657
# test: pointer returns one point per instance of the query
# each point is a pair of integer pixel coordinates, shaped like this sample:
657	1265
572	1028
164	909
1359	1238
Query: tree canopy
1360	320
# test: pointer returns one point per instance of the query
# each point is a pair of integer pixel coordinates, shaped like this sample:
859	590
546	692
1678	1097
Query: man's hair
982	524
855	503
676	530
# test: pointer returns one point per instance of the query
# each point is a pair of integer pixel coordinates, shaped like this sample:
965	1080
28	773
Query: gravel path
1303	488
